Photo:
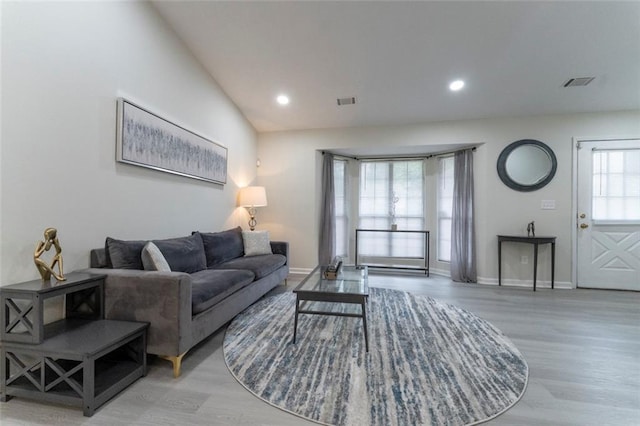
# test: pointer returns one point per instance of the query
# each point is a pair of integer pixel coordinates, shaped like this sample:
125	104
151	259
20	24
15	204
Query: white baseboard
563	285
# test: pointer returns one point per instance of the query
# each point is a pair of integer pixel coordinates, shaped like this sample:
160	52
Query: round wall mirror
527	165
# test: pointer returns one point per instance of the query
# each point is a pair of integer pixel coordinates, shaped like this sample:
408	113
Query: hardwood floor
582	347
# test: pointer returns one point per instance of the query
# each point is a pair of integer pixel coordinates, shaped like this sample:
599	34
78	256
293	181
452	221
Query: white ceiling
397	58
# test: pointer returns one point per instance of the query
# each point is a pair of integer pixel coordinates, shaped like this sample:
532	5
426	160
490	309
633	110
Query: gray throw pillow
184	254
123	254
256	243
153	260
222	246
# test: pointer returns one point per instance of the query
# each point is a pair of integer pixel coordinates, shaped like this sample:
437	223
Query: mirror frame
504	156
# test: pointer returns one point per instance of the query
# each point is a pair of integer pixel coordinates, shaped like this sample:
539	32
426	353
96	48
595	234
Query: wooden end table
82	360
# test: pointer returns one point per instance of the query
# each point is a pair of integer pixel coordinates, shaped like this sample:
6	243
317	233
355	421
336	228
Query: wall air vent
578	81
346	101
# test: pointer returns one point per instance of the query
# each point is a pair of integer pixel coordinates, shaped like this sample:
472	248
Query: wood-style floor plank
582	347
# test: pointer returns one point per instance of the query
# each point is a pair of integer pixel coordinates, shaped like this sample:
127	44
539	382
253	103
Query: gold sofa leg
176	361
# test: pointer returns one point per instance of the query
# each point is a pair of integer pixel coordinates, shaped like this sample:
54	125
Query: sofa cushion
210	286
256	243
222	246
261	265
153	260
183	254
123	254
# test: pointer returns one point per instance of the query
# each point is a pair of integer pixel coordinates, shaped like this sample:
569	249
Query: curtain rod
473	149
338	155
414	157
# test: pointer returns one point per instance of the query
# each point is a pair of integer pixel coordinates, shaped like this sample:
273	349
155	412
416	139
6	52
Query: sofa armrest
163	299
280	247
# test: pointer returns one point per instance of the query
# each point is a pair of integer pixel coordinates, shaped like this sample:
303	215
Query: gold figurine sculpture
50	239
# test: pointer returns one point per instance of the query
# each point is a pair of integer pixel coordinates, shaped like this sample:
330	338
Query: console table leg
553	263
535	265
499	262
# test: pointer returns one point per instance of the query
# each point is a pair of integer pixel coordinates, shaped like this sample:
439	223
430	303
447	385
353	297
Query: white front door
608	220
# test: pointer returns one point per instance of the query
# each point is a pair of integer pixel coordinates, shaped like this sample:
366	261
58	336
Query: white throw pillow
256	243
153	260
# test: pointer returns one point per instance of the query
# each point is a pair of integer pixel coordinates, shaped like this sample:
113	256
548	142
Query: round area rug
429	363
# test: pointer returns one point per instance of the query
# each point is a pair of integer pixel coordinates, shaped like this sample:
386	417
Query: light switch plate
548	205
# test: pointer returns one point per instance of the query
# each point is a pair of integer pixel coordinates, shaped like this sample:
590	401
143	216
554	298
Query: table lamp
251	197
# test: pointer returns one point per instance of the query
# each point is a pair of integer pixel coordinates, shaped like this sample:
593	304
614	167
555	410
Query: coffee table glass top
351	280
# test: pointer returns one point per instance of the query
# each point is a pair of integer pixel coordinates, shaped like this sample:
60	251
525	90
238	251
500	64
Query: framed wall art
145	139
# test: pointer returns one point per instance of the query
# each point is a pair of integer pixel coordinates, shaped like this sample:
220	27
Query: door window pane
616	185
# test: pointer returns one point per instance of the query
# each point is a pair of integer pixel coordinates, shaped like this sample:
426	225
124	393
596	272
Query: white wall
289	169
63	66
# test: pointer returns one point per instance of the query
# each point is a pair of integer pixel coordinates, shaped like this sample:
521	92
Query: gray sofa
210	282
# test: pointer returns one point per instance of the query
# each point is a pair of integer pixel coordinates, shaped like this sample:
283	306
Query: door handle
584	226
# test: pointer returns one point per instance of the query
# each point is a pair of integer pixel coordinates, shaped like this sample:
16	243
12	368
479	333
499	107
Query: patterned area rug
429	363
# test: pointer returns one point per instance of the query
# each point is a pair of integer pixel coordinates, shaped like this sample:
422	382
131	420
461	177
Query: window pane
341	207
445	206
616	185
392	192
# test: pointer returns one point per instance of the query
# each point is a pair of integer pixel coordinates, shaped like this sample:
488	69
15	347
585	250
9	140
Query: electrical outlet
524	260
548	205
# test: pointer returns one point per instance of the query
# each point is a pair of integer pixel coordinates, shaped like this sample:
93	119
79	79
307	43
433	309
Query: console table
81	360
536	241
425	235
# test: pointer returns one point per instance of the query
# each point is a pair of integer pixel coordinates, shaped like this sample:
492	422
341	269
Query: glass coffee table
350	287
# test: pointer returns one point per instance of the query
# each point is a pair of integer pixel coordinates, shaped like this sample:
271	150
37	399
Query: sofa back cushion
184	254
222	246
98	258
123	254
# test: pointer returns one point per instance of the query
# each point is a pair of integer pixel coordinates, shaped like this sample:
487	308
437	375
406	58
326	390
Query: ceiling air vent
346	101
578	81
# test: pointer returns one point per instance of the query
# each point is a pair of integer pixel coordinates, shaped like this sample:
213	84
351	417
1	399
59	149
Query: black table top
526	239
39	286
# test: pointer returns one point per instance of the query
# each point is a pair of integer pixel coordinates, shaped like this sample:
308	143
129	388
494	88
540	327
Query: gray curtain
327	240
463	236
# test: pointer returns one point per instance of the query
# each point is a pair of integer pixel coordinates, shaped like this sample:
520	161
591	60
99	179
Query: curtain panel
463	238
327	237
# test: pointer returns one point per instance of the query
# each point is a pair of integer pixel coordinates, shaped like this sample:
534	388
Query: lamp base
252	218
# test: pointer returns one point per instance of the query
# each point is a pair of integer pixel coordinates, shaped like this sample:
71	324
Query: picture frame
146	139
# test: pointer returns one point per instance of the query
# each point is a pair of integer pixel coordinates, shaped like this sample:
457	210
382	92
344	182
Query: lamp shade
252	196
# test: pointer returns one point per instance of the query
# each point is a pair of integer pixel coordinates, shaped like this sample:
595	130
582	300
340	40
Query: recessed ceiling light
282	99
456	85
